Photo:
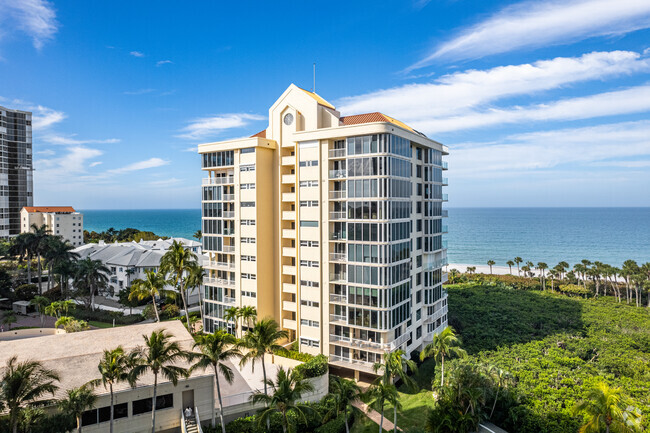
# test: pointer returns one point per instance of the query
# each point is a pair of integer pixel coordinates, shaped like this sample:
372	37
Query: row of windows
103	414
309	263
248	204
218	159
247	186
312	323
308	183
248	222
249	294
247	240
309	244
309	203
313	163
379	143
217	227
308	223
307	303
214	210
309	342
248	258
247	167
248	276
307	283
215	192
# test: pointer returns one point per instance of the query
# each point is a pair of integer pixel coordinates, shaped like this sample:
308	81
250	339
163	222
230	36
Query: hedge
294	354
315	367
84	313
337	425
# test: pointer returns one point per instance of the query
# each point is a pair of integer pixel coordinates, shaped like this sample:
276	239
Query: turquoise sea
610	235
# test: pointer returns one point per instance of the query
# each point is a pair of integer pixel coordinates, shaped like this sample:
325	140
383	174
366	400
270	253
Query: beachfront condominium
332	226
16	185
62	221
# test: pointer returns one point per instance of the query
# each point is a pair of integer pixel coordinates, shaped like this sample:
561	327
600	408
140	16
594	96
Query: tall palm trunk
395	418
187	313
92	297
78	423
155	309
153	403
496	397
29	269
347	426
266	392
216	379
442	371
381	424
112	414
40	274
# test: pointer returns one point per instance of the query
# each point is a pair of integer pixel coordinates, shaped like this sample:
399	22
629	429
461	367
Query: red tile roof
56	209
261	134
371	118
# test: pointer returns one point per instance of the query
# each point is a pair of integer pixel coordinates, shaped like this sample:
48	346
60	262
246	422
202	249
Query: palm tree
9	318
247	314
77	401
542	267
443	345
396	365
630	268
215	350
490	264
564	266
288	389
554	273
39	245
194	280
510	264
607	407
41	303
159	356
345	393
58	253
22	247
22	383
501	380
378	394
92	274
232	314
114	367
197	235
517	261
176	261
152	286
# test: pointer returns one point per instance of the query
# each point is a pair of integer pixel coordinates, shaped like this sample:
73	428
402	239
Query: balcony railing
445	165
227	197
218	180
338	298
445	213
338	215
338	174
337	318
337	236
337	153
221	265
445	197
338	257
335	195
228	300
445	181
228	214
219	281
364	365
228	248
338	277
445	229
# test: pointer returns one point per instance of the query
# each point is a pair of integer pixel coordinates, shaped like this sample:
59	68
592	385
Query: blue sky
542	103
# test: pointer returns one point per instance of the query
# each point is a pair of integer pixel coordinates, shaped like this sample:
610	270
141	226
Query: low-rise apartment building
62	221
330	224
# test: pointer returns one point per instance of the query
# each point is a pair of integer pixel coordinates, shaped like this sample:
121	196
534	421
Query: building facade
16	176
62	221
331	225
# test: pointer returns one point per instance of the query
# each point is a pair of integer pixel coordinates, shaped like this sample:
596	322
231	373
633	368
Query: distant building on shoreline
16	176
333	226
62	221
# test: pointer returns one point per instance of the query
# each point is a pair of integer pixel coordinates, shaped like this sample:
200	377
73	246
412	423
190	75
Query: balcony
288	270
289	288
289	160
289	324
288	233
337	153
445	165
444	244
445	213
289	196
445	229
229	232
337	236
445	197
341	277
227	197
228	248
219	265
228	214
341	299
218	180
288	252
336	319
338	195
228	300
289	306
445	181
445	277
338	174
288	178
338	215
221	282
355	364
289	215
338	257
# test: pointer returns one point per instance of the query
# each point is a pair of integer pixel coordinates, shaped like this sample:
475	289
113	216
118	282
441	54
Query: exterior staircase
191	424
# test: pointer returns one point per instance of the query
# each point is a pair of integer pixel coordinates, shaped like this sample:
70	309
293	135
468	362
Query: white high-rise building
332	225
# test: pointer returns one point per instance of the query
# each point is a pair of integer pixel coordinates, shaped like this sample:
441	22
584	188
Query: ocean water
476	235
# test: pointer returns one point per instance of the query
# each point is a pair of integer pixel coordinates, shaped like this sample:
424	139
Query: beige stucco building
330	224
62	221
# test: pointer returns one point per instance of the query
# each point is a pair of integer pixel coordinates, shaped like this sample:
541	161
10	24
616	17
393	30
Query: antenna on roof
313	89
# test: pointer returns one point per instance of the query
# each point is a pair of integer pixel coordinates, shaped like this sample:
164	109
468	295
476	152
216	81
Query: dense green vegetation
557	348
124	235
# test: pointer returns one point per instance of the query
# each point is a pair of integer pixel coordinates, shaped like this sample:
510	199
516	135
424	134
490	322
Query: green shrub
169	311
317	366
574	289
294	354
25	292
337	425
84	313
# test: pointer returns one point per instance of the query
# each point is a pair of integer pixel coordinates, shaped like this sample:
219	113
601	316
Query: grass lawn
97	324
412	416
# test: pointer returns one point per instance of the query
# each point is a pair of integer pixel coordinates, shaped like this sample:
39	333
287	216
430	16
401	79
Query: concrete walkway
375	416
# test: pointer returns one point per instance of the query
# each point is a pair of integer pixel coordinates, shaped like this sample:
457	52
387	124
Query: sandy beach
482	269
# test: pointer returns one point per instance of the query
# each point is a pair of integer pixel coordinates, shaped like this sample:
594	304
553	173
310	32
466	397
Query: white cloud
140	165
70	140
163	62
46	152
36	18
139	92
209	126
74	162
521	154
628	101
448	101
44	117
137	54
165	182
95	164
533	24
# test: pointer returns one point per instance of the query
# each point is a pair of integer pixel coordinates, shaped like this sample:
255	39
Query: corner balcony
337	153
289	288
289	196
211	264
218	180
221	282
289	160
354	364
445	181
289	233
340	277
338	299
338	257
338	174
338	195
338	215
288	215
288	178
445	165
289	324
228	300
288	252
445	197
335	319
289	306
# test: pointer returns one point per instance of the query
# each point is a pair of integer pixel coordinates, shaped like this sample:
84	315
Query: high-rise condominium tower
16	185
332	226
